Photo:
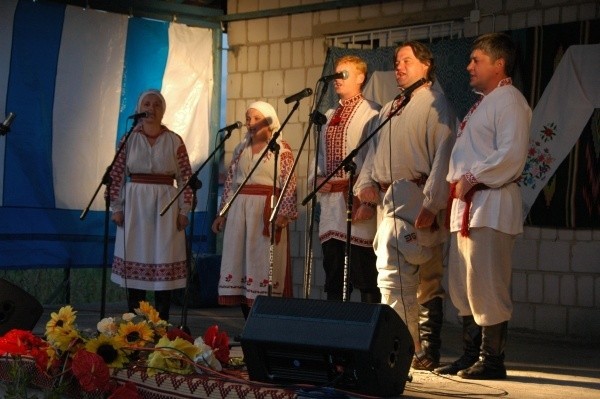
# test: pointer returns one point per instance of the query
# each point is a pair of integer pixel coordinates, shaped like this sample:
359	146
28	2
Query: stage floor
538	367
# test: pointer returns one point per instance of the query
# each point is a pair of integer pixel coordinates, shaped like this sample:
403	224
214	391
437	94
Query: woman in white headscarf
150	250
247	237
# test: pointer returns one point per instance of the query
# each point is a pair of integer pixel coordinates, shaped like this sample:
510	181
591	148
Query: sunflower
65	318
172	356
138	334
63	338
148	312
109	348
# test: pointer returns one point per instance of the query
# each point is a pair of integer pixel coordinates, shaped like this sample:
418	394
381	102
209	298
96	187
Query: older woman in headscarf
150	250
245	260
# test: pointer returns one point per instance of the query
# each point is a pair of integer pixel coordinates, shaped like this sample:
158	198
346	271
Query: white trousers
479	275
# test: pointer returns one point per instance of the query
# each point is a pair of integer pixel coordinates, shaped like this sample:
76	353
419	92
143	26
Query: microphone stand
195	184
348	164
106	180
318	119
272	146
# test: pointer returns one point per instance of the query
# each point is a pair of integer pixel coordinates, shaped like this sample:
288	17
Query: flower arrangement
70	357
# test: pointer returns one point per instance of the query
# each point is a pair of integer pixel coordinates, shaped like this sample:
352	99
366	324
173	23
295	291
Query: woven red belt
464	227
266	191
147	178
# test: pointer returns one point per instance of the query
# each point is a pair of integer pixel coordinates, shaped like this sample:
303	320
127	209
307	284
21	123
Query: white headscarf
156	92
268	112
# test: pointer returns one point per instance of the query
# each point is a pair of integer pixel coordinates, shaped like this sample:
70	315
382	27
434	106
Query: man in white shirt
403	182
486	213
347	126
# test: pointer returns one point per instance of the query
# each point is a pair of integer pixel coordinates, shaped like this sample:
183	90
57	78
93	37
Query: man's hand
425	218
364	212
369	194
462	188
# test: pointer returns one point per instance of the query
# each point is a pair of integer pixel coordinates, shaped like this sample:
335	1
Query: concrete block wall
556	282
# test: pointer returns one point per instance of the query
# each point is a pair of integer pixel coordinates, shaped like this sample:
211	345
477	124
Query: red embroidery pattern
397	102
185	171
340	236
286	161
149	272
117	175
463	123
503	82
335	136
227	384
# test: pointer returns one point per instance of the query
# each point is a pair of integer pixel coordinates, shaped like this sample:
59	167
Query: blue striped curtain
72	77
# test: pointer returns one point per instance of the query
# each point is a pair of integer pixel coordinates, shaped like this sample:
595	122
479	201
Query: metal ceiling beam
155	9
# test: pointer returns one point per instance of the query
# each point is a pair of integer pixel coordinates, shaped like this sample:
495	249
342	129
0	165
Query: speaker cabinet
18	309
360	347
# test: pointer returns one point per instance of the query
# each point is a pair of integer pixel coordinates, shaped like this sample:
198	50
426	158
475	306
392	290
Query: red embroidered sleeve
185	172
117	179
229	181
289	201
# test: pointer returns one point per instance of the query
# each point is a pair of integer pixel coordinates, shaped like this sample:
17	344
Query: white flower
206	357
128	316
107	326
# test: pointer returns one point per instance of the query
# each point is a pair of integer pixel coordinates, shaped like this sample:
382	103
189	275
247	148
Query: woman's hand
182	222
281	221
219	224
118	218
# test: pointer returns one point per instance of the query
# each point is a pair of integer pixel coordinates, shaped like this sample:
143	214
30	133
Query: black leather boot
431	317
134	296
471	345
162	300
490	365
368	296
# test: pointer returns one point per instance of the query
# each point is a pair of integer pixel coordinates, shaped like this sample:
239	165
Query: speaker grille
356	346
18	309
335	312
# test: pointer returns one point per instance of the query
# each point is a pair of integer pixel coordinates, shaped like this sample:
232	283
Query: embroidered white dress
245	260
150	253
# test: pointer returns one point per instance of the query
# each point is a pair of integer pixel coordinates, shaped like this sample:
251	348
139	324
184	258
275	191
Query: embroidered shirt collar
503	82
351	101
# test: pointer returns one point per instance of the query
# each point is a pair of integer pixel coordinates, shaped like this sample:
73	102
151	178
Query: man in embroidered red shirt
486	210
347	126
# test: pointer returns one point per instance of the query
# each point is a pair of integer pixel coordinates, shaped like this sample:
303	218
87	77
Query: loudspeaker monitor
354	346
18	308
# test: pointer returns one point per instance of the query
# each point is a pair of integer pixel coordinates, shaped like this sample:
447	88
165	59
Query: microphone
5	126
236	125
298	96
408	91
138	115
340	75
